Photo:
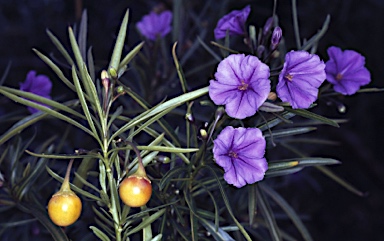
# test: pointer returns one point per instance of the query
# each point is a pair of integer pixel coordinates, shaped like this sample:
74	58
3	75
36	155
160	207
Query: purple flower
242	85
155	25
37	84
233	22
346	71
240	152
300	79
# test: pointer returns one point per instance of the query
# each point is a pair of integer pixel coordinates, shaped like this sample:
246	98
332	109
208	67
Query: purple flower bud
233	22
240	151
241	84
268	25
346	71
300	79
37	84
276	37
155	25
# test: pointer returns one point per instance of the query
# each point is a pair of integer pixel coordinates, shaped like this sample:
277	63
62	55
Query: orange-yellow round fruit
135	191
64	208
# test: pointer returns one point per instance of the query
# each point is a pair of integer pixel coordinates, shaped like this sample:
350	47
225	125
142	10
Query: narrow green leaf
60	47
85	165
21	125
46	110
117	50
99	233
219	234
131	55
228	206
209	50
288	210
340	181
82	36
251	203
164	124
315	39
290	132
268	215
64	156
277	120
146	222
313	116
180	71
84	105
158	237
102	176
73	187
40	99
86	183
91	64
55	69
173	103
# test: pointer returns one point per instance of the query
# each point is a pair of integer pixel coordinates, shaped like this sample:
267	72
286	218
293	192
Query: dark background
330	211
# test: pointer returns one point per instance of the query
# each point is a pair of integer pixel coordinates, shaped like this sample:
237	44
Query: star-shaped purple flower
240	151
300	79
155	25
346	71
242	85
37	84
233	22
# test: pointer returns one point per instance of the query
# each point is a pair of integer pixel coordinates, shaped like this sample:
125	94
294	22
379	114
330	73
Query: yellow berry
64	208
135	191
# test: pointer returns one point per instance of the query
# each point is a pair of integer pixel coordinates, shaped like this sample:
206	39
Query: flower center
288	77
339	76
232	154
243	86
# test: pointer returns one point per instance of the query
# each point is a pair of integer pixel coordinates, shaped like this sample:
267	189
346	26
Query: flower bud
268	25
276	37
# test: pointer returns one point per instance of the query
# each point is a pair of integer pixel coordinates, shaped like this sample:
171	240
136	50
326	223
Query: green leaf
84	105
46	110
99	233
117	50
82	36
60	47
56	69
340	181
64	156
131	55
173	103
288	210
145	222
218	234
167	178
315	39
40	99
73	187
290	132
268	215
313	116
228	206
180	72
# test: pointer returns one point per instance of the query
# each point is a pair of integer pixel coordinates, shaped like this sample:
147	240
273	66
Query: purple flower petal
240	152
300	79
233	22
37	84
155	25
242	85
346	71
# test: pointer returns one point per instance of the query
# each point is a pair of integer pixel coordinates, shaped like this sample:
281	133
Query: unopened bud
260	50
272	96
190	117
219	113
276	37
112	72
105	79
268	25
